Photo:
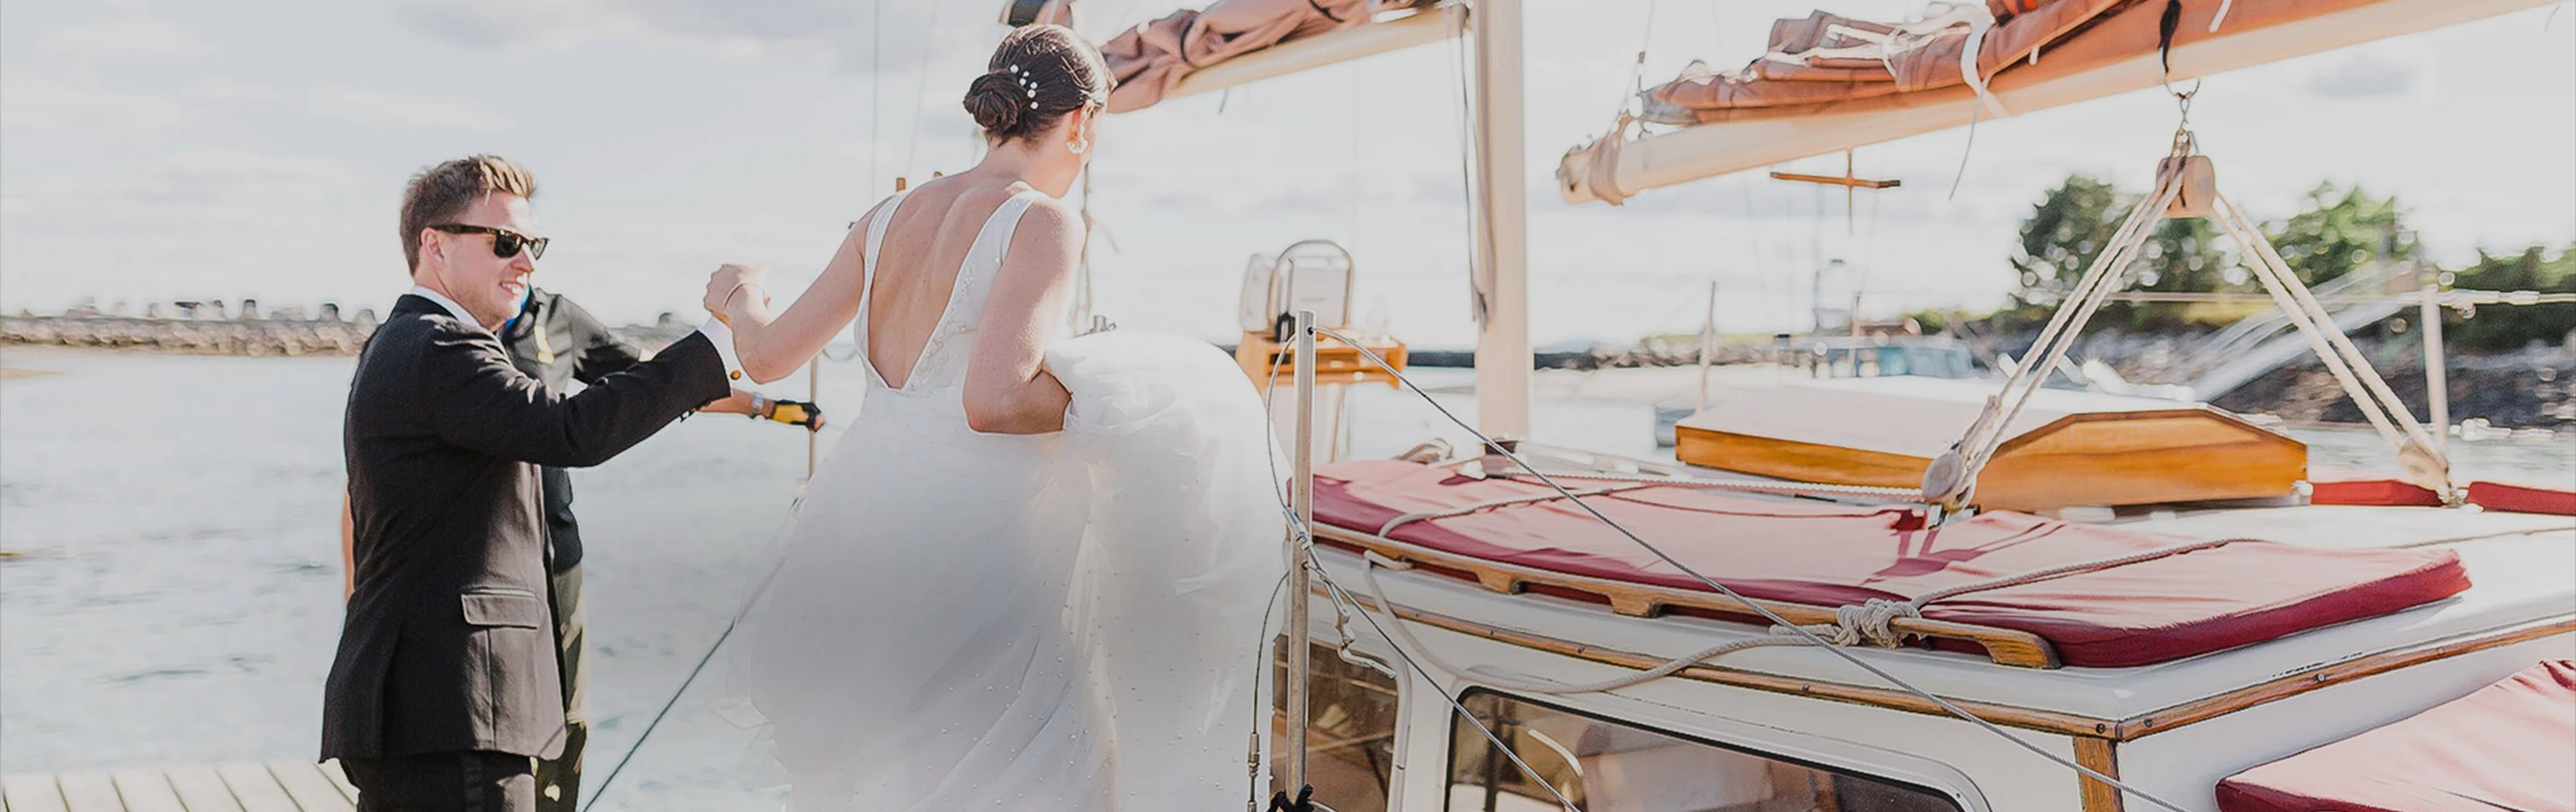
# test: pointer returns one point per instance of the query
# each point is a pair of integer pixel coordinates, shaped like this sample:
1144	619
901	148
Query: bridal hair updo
1038	74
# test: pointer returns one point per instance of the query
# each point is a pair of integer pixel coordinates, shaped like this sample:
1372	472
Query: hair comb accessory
1026	83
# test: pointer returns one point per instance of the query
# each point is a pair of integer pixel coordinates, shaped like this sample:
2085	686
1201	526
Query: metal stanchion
1301	494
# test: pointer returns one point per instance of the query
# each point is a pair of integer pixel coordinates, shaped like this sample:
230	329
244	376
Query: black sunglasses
505	243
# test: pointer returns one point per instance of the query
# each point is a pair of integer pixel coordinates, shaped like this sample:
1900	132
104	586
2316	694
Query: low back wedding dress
1069	621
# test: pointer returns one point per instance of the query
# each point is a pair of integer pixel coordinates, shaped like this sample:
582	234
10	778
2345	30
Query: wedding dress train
1070	621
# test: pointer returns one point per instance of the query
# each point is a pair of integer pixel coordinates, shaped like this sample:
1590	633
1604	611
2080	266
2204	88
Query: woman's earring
1079	147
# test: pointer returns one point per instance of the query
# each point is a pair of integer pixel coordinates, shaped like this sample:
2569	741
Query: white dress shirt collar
453	308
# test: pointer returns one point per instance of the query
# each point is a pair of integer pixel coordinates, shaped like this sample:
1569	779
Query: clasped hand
730	281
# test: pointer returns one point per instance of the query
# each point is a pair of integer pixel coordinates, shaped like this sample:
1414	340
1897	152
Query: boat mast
1500	214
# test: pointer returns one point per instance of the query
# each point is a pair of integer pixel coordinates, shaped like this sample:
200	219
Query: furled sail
1825	58
1154	60
1827	83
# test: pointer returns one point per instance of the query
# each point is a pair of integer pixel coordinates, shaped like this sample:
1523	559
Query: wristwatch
762	407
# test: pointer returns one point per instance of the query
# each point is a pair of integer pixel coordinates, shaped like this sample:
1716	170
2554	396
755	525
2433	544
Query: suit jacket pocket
514	691
504	608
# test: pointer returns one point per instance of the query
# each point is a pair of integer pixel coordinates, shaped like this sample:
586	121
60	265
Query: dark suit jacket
557	342
448	643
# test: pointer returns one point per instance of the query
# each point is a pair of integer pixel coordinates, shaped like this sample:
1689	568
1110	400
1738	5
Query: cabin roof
2523	570
2522	567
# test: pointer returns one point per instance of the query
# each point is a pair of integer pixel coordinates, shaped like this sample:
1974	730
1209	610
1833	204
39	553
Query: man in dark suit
447	685
557	342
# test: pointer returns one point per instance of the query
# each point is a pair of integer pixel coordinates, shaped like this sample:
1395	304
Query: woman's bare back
927	238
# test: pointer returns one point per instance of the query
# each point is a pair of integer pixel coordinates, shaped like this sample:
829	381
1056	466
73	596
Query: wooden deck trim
2157	456
2321	676
2101	756
1795	459
2253	433
2005	646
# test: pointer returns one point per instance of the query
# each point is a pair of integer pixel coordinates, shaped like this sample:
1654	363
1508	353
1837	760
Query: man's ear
431	246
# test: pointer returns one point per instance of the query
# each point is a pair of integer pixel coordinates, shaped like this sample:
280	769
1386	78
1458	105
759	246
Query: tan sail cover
1826	62
1828	84
1152	58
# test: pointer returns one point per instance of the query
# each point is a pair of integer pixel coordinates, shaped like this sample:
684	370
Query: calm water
175	594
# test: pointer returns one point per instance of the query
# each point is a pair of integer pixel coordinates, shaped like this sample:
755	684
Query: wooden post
1501	216
2437	386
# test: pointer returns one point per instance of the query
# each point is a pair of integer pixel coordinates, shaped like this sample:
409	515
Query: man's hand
732	280
797	413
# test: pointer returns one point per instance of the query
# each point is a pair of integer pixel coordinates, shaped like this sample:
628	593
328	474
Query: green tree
2070	226
2509	327
2340	229
2074	223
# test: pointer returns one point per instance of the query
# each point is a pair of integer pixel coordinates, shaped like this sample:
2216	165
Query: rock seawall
253	336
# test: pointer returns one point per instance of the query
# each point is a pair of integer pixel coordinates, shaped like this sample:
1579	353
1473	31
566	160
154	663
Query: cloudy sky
256	148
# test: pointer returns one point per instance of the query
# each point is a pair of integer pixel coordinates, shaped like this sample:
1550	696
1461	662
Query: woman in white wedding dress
1032	573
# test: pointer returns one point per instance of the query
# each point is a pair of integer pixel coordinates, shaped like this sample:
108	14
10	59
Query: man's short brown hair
440	193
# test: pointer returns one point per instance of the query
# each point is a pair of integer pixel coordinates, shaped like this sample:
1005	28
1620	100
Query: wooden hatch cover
2066	448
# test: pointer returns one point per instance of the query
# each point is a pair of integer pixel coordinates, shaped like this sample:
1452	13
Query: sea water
172	586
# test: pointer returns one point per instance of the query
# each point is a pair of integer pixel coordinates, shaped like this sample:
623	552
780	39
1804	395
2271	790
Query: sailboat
1892	594
1897	594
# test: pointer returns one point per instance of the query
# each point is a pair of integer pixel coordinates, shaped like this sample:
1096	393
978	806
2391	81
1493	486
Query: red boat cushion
2522	498
2506	747
2328	486
1831	555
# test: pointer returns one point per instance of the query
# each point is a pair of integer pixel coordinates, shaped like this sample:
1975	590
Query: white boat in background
1890	592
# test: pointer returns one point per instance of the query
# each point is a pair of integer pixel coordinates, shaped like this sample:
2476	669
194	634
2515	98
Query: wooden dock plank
89	792
255	788
304	782
146	791
201	790
31	792
331	770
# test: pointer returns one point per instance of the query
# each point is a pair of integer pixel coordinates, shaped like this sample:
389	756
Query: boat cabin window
1602	765
1351	710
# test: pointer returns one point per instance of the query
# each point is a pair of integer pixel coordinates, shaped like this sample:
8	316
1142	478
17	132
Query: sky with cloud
163	150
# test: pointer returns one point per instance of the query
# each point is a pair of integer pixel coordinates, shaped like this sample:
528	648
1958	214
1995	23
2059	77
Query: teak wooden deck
291	785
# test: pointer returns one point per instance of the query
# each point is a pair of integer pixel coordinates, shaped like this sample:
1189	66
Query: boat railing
2351	291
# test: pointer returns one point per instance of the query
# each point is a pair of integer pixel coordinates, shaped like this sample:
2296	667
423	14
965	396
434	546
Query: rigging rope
1302	536
1767	613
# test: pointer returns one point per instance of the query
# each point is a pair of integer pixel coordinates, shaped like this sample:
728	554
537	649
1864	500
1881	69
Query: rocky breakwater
203	328
196	328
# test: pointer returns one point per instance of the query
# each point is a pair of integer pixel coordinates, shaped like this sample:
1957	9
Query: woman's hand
729	282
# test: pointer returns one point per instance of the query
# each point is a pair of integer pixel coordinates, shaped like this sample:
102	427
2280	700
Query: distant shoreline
253	336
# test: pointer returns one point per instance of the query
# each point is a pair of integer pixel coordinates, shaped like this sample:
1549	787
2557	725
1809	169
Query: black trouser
559	778
453	781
